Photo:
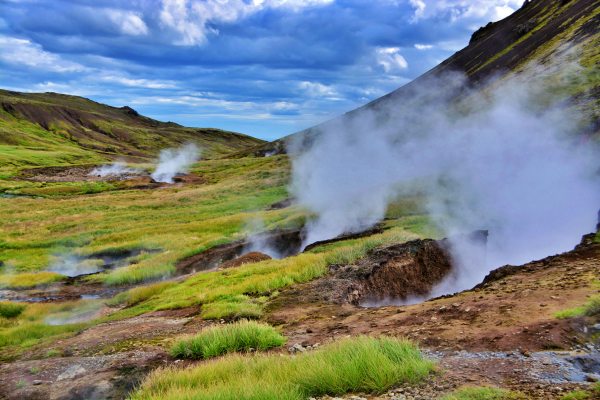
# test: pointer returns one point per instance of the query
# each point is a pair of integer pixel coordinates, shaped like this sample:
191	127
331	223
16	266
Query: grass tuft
360	364
235	337
11	310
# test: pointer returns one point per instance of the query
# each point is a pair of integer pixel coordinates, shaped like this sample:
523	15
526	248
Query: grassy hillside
40	129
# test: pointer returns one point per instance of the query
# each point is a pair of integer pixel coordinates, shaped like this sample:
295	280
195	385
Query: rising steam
503	160
116	169
175	161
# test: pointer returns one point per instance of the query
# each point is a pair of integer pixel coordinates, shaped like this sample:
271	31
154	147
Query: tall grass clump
11	310
218	340
482	393
360	364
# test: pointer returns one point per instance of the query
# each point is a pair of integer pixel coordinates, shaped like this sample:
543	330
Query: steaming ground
504	161
174	161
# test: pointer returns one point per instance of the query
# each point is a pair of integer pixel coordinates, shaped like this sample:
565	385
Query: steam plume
174	161
118	168
500	160
257	240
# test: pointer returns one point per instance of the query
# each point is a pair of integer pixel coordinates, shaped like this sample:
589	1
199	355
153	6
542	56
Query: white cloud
140	83
25	52
420	46
488	10
390	59
315	89
190	19
128	23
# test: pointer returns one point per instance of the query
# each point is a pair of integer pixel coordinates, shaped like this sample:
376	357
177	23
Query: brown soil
249	258
74	174
515	311
105	361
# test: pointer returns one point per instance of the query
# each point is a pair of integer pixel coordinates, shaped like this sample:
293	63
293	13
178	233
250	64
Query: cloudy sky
262	67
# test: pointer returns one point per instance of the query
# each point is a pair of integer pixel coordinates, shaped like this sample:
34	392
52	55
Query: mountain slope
51	128
530	35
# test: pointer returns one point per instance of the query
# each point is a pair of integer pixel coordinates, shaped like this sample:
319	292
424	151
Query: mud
283	242
249	258
78	287
395	272
72	174
127	180
286	242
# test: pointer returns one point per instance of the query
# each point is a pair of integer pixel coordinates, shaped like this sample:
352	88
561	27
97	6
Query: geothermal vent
394	274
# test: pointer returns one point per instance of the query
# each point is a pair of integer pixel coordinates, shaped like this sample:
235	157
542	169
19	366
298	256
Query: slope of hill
53	129
530	35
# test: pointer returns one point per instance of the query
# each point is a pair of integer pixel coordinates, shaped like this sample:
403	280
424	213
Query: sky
266	68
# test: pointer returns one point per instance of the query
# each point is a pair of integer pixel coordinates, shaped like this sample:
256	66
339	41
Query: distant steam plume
503	159
175	161
118	168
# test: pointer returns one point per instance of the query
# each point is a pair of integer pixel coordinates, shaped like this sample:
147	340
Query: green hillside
41	129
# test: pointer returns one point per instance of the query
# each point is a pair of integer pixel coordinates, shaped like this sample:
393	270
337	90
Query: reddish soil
249	258
515	311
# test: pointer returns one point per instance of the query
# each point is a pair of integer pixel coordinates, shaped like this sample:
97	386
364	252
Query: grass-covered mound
229	338
361	364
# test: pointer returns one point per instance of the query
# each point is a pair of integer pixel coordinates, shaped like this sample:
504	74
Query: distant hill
54	129
532	33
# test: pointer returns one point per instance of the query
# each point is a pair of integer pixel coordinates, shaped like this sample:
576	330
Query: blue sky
262	67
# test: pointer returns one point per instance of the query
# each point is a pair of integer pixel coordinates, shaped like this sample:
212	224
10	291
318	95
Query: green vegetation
241	292
359	364
229	338
483	393
591	394
11	310
138	294
28	280
35	133
589	309
30	326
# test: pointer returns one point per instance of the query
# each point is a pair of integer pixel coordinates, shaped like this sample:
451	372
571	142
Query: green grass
360	364
138	294
591	394
241	292
29	328
28	279
482	393
228	338
11	310
589	309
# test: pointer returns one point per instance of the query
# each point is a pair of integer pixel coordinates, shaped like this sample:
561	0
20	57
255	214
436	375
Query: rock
297	348
71	373
37	382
